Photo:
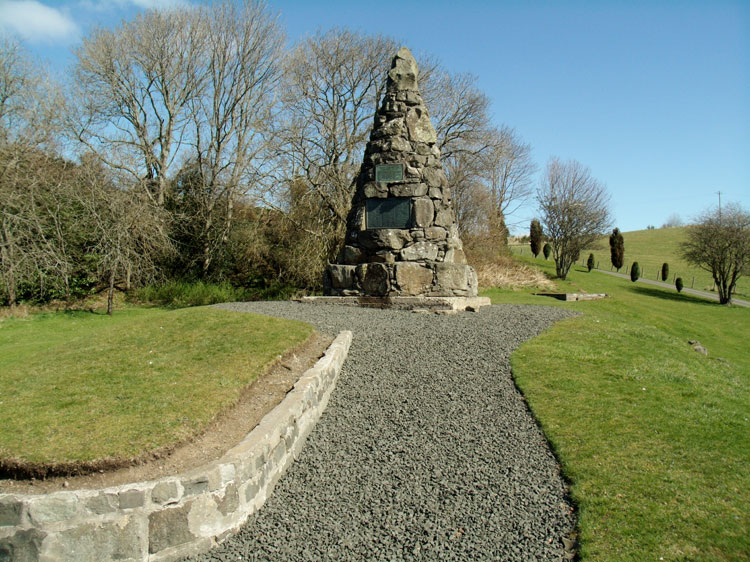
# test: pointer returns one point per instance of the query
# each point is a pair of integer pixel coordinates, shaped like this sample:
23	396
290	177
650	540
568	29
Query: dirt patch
230	428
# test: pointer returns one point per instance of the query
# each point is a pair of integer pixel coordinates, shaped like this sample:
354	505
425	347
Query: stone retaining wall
178	515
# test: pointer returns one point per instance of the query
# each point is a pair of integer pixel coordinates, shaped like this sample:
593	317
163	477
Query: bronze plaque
394	212
389	172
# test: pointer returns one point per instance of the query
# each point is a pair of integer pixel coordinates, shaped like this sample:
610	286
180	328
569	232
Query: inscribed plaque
389	172
394	212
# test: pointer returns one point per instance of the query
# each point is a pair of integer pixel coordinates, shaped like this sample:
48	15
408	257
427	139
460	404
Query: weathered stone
352	255
251	490
444	217
452	276
399	144
22	546
436	233
53	508
411	173
434	178
423	212
408	189
342	276
413	278
229	503
384	238
455	255
375	280
384	256
420	251
394	127
195	486
165	492
403	72
169	527
419	126
10	511
130	499
120	540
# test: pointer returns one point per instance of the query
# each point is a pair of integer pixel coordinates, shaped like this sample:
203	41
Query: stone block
399	144
452	276
412	189
422	212
229	503
420	251
22	546
434	178
383	256
165	492
194	486
393	127
130	499
419	126
10	511
342	276
384	239
375	278
169	527
53	508
352	255
116	540
413	278
436	233
455	255
444	217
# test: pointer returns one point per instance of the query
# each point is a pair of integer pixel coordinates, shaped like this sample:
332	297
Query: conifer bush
590	263
547	251
635	272
678	284
664	271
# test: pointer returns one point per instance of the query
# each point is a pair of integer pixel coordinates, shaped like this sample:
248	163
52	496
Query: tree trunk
111	292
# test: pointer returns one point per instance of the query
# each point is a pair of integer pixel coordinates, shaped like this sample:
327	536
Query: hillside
651	248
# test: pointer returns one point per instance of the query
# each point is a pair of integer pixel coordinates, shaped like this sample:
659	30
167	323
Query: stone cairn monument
401	238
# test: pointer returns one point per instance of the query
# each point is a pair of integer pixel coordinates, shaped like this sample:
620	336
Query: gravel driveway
426	451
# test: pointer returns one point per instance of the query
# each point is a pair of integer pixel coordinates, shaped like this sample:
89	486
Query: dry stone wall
175	516
422	255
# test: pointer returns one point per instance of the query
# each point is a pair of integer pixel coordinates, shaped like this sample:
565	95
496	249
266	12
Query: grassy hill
652	248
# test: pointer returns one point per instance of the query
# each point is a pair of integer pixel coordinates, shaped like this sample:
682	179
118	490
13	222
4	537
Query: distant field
651	248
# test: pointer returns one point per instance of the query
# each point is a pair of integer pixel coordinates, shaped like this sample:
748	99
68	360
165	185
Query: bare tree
574	211
673	221
719	242
232	116
29	103
135	85
332	85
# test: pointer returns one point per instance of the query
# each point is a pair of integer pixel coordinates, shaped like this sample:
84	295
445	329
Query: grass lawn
654	437
81	386
652	248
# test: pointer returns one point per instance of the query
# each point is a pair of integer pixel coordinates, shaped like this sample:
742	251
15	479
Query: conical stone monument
401	238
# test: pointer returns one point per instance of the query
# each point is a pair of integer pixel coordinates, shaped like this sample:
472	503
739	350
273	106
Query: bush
678	284
664	271
547	250
635	272
590	263
535	237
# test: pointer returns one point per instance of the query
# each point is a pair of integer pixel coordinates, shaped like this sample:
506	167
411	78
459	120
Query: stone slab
574	296
404	303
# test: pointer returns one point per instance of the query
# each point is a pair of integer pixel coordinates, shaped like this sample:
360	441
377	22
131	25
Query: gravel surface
426	451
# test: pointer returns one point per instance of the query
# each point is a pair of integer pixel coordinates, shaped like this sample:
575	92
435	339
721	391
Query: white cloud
36	22
103	5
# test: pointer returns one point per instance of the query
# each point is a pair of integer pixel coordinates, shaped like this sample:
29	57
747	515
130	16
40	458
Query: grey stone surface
22	546
130	499
53	508
402	134
10	511
119	540
169	527
413	278
426	451
165	492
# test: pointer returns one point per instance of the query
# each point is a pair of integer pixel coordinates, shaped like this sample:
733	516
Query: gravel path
425	452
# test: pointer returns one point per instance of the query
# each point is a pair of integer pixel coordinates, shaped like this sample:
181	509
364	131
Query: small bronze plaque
394	212
389	172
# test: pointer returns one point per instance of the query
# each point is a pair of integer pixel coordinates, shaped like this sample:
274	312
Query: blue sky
653	96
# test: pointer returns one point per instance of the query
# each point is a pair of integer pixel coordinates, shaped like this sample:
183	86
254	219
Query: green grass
82	386
180	294
652	248
653	436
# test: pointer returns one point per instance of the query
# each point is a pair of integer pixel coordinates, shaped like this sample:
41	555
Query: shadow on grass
672	295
